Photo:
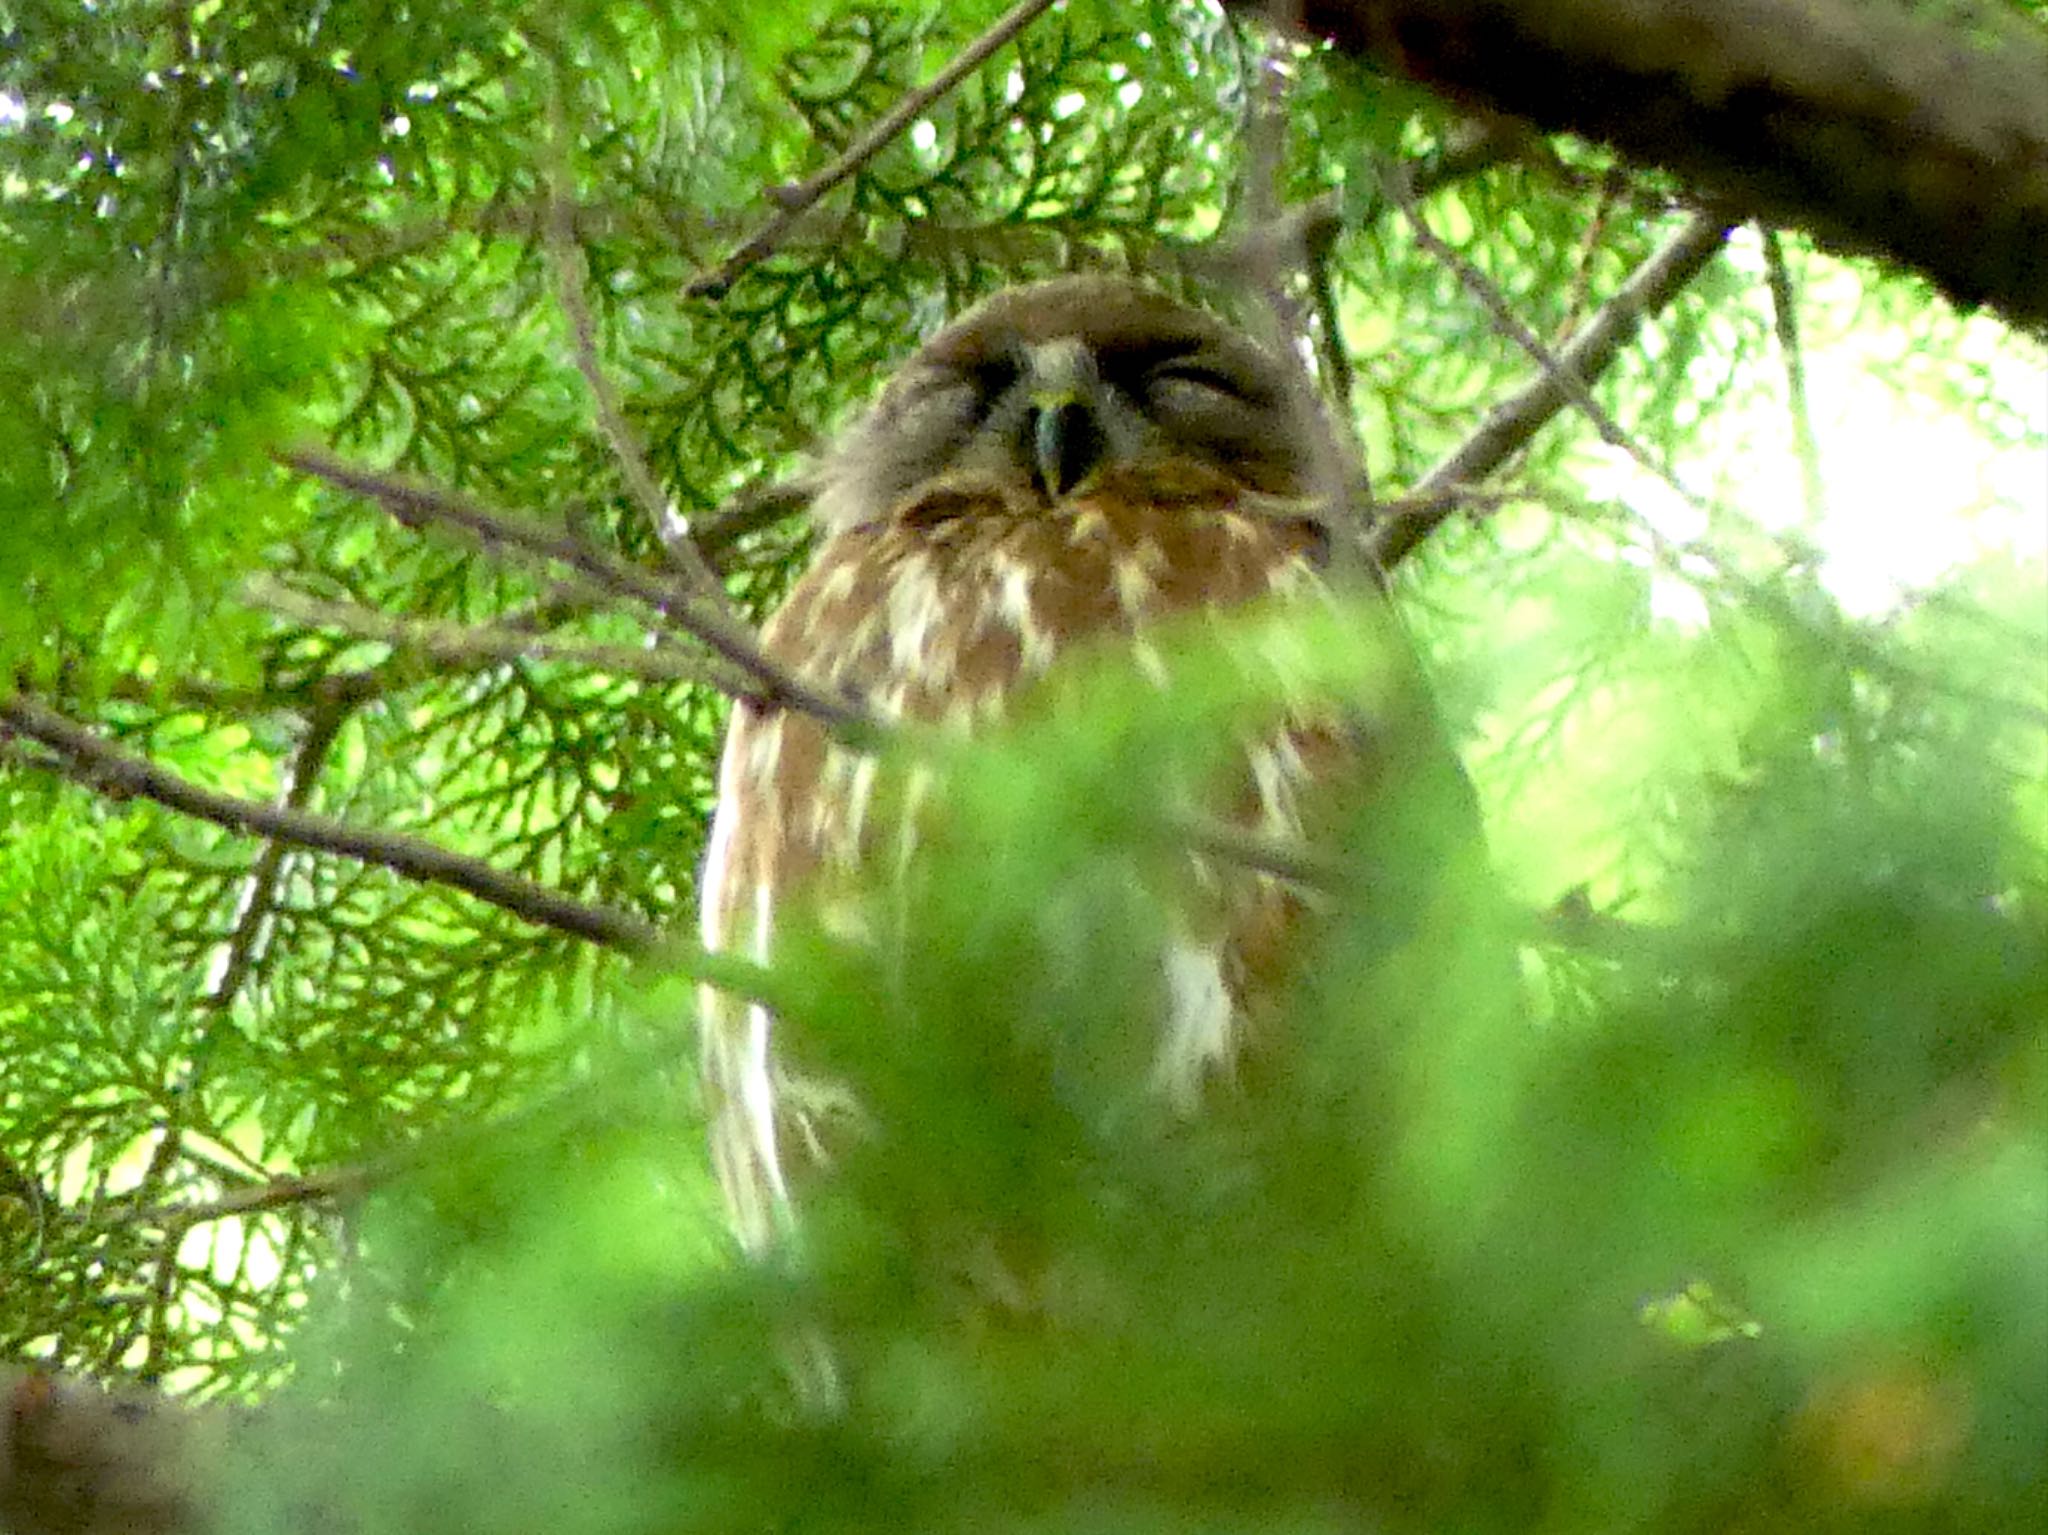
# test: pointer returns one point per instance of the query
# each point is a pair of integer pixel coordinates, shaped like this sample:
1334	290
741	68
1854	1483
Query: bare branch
237	955
571	273
88	760
467	645
1292	861
1917	132
796	200
338	1183
1785	319
772	686
1505	320
1509	425
750	511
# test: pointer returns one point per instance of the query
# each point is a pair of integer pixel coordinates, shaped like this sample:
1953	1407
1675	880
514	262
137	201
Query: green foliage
1749	1235
1682	1171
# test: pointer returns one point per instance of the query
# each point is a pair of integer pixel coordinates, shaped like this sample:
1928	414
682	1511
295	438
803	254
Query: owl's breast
940	619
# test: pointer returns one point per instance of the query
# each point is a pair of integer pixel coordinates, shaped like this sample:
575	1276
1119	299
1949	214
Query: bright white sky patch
1911	494
1912	487
13	111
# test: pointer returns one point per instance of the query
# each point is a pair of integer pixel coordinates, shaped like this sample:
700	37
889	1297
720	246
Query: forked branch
82	756
766	683
1509	426
796	200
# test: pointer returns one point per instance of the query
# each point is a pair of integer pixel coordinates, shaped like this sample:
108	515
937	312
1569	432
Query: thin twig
1785	319
796	200
88	760
771	685
750	511
1340	385
237	954
571	275
1612	186
1509	425
456	644
275	1194
1273	245
1505	320
1293	861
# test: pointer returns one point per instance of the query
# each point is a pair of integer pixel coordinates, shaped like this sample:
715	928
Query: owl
1070	463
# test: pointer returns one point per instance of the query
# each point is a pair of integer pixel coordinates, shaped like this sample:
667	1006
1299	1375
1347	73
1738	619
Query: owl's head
1042	390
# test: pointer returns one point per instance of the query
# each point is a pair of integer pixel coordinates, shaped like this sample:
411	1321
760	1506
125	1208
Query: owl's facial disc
1051	419
1043	393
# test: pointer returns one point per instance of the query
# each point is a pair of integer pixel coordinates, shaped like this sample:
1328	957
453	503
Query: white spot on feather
717	863
1276	770
1135	587
1200	1038
1150	663
1295	578
914	608
838	583
860	790
757	1096
763	752
1013	601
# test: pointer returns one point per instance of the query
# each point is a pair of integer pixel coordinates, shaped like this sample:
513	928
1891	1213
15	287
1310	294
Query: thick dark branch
87	759
1918	136
772	686
1510	425
797	200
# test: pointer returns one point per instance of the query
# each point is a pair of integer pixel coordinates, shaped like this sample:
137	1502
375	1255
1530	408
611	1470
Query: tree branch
772	685
571	273
1290	860
1785	321
488	645
1576	389
1510	425
273	1194
797	200
749	511
1917	136
86	759
237	955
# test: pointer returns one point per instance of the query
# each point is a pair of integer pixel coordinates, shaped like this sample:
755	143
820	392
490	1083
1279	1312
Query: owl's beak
1067	441
1066	444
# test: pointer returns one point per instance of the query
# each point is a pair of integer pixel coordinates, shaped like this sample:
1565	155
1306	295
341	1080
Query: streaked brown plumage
1070	461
